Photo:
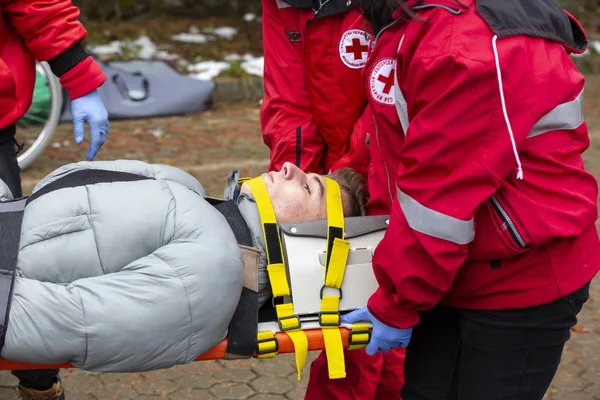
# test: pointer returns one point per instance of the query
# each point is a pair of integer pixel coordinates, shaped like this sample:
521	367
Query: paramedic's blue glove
90	108
383	337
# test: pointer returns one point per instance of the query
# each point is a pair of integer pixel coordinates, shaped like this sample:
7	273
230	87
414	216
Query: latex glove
90	108
383	337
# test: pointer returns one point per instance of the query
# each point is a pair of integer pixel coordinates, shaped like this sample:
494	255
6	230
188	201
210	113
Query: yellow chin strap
336	258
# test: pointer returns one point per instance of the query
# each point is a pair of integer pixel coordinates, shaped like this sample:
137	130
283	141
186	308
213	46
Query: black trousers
10	173
458	354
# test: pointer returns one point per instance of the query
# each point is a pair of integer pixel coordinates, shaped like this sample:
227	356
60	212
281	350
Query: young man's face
296	195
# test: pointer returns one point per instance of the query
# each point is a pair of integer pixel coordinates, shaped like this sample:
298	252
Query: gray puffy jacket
122	276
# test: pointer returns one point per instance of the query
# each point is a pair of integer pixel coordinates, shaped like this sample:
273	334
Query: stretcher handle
315	343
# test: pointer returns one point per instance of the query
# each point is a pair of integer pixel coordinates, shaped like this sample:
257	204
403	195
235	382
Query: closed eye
307	188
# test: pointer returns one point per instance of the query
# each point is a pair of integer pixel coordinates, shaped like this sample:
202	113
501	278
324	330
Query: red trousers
377	377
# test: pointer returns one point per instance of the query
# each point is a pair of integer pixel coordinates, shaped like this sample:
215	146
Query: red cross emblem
357	49
354	47
388	81
382	79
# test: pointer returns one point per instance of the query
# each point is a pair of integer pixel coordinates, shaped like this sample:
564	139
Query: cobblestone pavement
207	146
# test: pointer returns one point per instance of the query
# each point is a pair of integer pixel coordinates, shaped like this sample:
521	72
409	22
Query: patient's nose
289	170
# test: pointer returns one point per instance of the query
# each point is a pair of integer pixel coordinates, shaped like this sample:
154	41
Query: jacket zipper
508	222
321	4
454	11
387	172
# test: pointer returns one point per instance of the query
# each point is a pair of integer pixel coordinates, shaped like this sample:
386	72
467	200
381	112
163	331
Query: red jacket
46	30
313	108
464	230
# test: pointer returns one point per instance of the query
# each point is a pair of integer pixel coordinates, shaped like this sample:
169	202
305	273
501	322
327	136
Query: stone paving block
198	381
114	391
296	394
240	374
231	391
7	379
191	394
250	363
81	386
8	393
155	386
272	367
262	396
272	384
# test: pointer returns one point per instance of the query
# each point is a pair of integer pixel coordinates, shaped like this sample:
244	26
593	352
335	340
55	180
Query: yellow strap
276	269
336	265
359	336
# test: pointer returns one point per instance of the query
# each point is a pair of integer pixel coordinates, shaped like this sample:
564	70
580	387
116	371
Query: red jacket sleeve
358	156
456	154
287	123
52	33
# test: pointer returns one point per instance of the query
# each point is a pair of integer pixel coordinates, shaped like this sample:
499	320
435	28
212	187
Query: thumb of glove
372	347
360	315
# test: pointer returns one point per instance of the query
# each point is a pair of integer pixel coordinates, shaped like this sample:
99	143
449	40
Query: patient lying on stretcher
125	266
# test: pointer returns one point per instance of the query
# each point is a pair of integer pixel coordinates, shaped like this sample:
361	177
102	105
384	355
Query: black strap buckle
339	318
277	300
260	352
297	326
330	287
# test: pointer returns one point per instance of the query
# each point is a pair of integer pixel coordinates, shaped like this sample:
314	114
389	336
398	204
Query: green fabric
41	102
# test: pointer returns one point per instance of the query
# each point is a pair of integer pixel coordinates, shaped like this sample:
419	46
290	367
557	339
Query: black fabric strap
62	63
236	221
11	217
243	328
86	177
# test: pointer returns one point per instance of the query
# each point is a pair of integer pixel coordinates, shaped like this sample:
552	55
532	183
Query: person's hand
90	108
383	337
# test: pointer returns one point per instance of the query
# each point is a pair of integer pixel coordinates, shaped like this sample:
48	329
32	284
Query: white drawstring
512	138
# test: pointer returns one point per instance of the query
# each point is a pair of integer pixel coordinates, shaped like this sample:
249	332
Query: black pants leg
458	354
37	379
10	173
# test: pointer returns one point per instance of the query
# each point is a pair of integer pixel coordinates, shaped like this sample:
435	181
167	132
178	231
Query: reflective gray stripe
434	223
282	4
399	100
12	206
565	116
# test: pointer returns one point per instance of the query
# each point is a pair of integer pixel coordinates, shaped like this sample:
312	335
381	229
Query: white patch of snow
165	55
190	38
207	70
249	17
146	47
255	66
238	57
103	49
224	32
